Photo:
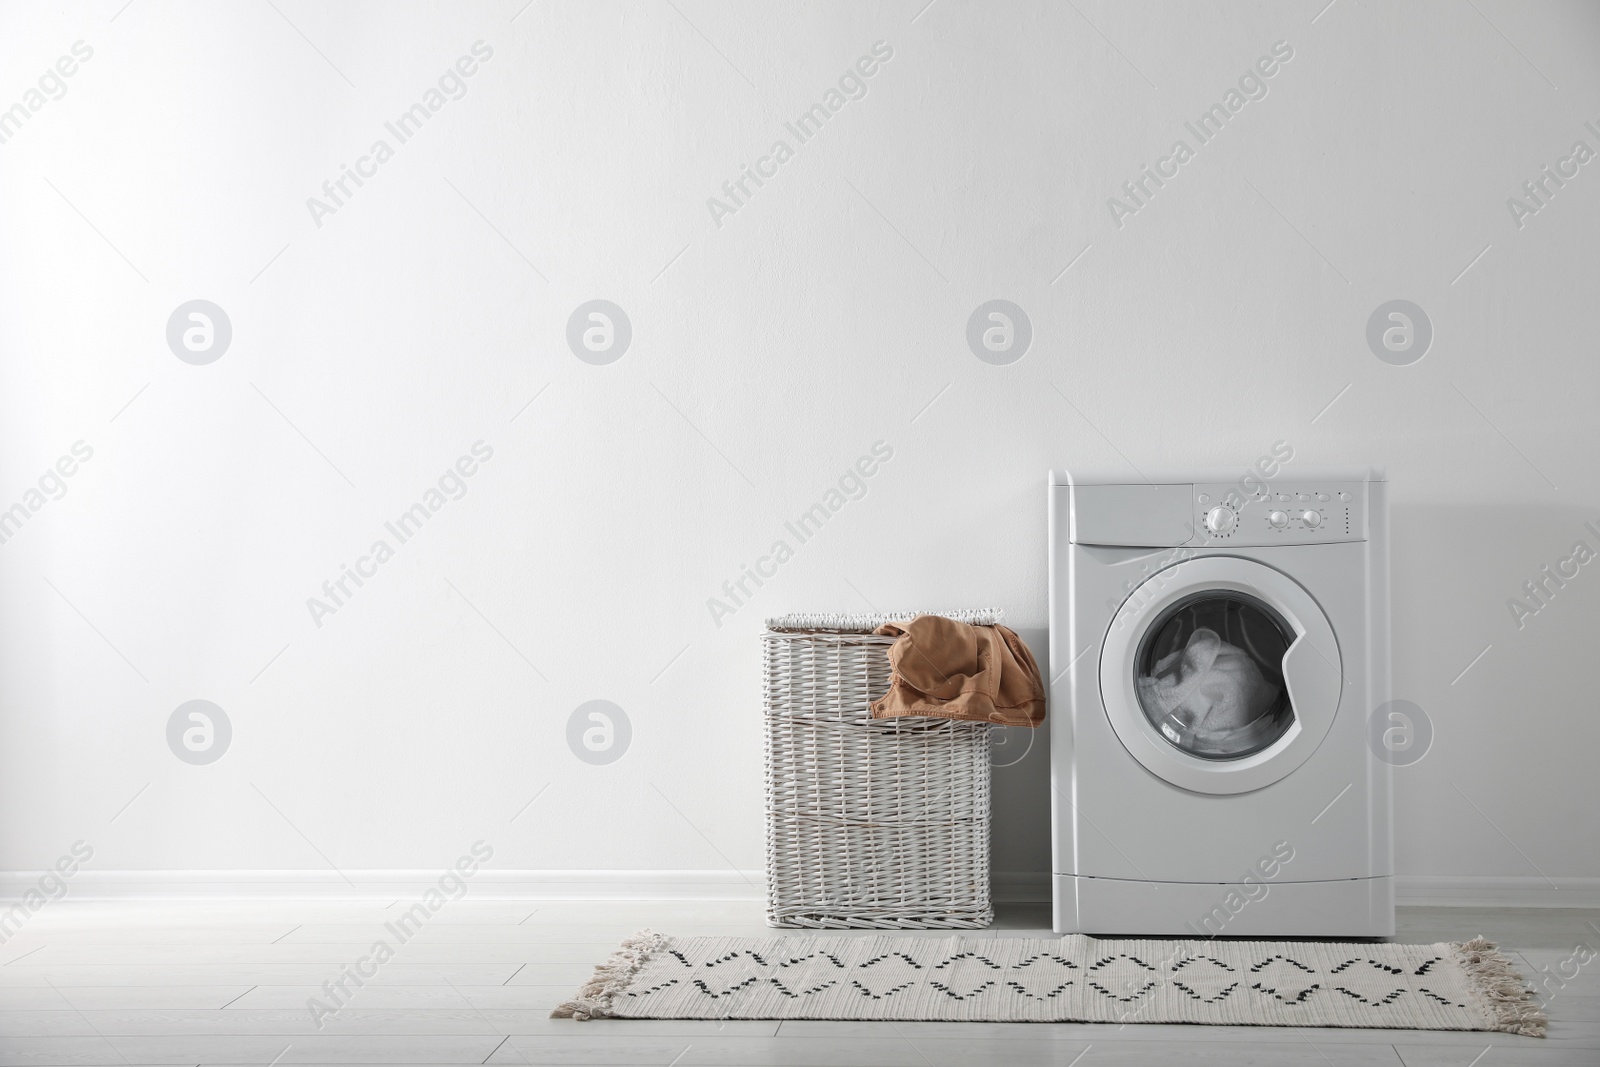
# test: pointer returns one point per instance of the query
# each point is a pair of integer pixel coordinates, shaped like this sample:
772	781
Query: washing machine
1219	641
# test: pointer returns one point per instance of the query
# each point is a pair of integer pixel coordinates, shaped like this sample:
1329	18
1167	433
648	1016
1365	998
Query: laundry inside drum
1209	675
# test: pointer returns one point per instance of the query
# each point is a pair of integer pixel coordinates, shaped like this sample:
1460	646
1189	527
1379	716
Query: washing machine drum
1221	675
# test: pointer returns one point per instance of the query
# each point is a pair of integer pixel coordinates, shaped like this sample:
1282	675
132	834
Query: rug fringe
611	977
1509	999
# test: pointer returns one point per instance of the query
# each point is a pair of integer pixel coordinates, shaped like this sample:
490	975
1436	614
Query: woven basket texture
871	823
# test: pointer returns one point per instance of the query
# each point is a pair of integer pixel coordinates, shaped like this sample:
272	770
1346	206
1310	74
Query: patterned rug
1465	986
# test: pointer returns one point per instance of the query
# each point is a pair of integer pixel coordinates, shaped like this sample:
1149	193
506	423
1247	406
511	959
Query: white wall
768	353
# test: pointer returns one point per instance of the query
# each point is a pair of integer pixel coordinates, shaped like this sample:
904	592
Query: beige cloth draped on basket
949	669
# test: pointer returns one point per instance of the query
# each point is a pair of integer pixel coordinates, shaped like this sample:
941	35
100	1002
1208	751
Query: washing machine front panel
1136	853
1118	820
1221	675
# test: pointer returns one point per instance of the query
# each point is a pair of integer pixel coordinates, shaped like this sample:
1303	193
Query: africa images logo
852	85
452	485
1252	85
852	485
451	85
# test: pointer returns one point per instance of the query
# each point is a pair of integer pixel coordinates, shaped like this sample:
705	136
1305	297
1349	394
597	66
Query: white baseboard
1009	887
1020	887
486	884
1474	891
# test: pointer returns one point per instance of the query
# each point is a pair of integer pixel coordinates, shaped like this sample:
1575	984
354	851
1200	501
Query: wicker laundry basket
871	823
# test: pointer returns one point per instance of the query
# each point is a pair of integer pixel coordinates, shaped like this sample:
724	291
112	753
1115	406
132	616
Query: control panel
1277	512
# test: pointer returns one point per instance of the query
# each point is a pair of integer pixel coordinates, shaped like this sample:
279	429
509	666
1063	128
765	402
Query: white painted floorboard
152	984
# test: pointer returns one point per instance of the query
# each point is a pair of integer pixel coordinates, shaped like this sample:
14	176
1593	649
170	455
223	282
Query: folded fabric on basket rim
948	669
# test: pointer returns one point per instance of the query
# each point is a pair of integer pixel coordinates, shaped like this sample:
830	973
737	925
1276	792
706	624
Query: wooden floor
87	983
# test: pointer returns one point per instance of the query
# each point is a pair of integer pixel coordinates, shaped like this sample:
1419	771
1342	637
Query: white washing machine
1218	643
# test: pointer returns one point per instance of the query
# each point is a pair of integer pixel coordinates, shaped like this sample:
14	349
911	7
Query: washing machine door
1220	674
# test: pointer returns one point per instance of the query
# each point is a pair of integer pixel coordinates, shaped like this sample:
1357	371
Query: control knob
1312	519
1220	520
1278	520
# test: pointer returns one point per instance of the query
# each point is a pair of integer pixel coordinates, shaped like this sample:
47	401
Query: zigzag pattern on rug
1461	986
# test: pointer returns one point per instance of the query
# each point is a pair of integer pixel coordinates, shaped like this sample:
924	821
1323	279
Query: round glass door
1208	675
1220	674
